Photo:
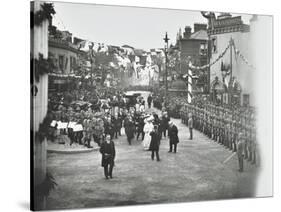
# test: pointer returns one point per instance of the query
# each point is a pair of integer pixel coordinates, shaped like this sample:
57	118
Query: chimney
198	27
187	32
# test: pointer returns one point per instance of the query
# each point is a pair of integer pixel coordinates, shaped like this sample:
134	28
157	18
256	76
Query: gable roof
199	35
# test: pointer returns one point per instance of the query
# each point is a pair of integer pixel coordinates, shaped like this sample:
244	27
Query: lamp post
166	39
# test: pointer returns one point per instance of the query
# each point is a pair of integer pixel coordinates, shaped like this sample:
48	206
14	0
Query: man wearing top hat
155	143
173	136
164	123
107	150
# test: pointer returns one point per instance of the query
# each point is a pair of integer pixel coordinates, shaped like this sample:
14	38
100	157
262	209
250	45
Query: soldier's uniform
211	134
247	142
195	118
254	146
182	113
232	134
223	130
240	151
251	141
200	120
215	128
185	115
238	128
227	132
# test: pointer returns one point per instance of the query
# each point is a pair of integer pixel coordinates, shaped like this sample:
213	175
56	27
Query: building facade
230	77
64	55
194	45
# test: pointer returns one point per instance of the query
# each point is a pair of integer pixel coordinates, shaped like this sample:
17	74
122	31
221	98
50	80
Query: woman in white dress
148	127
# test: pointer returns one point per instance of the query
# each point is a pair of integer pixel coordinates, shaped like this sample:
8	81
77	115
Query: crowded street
126	120
195	171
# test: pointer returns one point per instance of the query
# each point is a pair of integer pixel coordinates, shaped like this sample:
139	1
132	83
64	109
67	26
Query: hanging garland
210	64
46	13
40	67
239	54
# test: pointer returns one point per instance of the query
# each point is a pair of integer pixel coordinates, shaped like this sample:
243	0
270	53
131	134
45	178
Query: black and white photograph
138	105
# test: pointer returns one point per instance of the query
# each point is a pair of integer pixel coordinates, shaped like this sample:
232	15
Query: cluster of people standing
235	129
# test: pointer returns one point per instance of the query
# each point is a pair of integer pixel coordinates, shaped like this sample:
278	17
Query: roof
127	46
139	52
199	35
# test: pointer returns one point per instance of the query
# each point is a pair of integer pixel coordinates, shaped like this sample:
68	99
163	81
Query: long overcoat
108	153
130	129
173	134
155	141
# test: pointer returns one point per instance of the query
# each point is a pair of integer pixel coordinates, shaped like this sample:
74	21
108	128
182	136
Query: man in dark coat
118	126
173	135
156	120
149	100
139	126
129	129
107	150
164	124
155	143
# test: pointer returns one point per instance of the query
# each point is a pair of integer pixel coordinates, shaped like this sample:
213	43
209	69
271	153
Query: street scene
188	175
126	117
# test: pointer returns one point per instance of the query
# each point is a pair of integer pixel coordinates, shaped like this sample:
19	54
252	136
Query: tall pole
166	73
208	62
230	86
166	39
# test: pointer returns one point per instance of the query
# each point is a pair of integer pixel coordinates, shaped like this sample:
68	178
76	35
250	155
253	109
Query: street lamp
166	39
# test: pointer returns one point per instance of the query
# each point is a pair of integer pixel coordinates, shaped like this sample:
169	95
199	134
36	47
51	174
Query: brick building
230	77
194	45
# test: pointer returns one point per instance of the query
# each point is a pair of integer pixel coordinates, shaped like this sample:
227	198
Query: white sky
115	25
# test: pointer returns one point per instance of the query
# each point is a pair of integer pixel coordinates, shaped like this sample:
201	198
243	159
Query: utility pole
166	39
230	80
209	51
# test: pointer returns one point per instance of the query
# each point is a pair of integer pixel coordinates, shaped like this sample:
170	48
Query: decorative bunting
211	63
239	54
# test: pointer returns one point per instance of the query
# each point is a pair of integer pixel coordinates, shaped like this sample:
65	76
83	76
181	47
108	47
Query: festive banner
240	55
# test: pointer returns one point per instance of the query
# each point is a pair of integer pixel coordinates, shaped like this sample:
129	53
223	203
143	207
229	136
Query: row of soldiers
223	126
92	125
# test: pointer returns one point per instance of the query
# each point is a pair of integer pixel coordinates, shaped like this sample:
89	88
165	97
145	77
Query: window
61	63
203	49
214	45
72	63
